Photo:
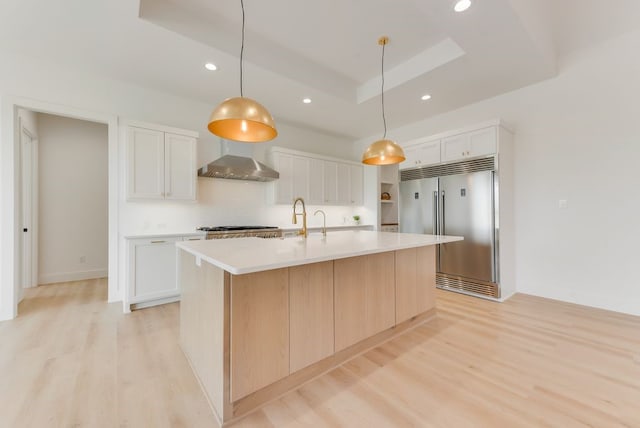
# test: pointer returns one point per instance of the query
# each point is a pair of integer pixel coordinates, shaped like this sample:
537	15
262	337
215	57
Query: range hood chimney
236	164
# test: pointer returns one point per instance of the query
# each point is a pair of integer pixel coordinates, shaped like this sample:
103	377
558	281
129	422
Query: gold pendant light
383	152
240	118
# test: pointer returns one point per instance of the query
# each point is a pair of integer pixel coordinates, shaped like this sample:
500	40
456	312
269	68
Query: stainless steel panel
467	286
417	205
467	207
455	168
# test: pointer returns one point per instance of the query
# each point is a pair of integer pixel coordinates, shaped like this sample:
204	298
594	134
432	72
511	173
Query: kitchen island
259	317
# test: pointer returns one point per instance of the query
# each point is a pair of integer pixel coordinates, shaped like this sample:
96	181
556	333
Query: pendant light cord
242	48
384	119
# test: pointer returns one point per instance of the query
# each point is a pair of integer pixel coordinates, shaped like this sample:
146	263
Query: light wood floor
70	359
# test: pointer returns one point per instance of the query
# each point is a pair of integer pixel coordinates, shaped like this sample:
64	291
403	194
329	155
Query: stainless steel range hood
233	165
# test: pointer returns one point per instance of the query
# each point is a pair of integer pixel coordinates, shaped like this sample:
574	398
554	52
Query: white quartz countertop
247	255
164	235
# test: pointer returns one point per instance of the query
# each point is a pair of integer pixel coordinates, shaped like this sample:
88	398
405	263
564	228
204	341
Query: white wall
577	137
72	199
223	201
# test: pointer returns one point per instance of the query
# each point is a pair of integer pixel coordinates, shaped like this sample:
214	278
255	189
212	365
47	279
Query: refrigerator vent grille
463	167
466	285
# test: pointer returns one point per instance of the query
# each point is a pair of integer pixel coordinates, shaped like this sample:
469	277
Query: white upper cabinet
470	144
344	184
421	155
331	183
283	163
145	164
160	164
180	167
357	185
301	182
317	179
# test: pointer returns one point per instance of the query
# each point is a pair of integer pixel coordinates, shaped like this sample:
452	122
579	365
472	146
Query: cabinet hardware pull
157	242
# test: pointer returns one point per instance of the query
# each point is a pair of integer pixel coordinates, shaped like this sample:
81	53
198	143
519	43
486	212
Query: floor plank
71	359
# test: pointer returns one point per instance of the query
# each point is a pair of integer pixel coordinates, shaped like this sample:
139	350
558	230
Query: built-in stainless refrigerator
457	199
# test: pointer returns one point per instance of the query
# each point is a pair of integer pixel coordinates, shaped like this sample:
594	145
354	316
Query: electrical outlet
563	204
83	259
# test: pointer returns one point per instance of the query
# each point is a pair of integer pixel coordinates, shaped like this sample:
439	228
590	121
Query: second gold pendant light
384	151
240	118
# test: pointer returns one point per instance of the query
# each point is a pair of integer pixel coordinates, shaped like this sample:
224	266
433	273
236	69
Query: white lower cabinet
152	270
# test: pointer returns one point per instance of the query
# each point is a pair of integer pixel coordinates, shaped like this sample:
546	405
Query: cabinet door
294	178
259	330
415	282
470	144
311	313
422	155
316	181
180	167
330	182
411	158
429	153
343	184
456	147
483	142
357	180
364	293
283	187
300	179
145	164
153	269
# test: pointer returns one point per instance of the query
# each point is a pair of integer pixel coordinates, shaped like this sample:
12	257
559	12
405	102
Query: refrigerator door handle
436	231
442	225
494	266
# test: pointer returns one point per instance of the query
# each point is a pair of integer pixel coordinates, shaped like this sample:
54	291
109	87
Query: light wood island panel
311	314
259	330
274	330
204	324
364	297
414	282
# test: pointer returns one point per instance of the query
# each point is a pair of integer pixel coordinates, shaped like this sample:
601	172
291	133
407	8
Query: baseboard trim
72	276
607	302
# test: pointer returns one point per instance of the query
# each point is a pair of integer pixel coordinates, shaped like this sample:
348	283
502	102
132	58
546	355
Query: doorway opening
64	199
14	274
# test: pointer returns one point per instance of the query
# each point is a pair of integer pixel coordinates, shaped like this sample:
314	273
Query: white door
28	148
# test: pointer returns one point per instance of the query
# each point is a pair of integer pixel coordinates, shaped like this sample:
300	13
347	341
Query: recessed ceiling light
210	66
306	100
425	97
462	5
